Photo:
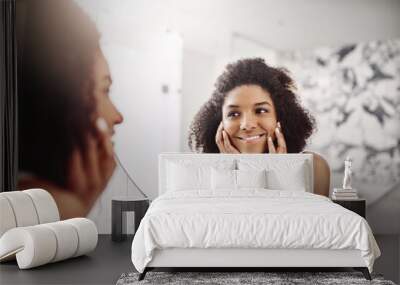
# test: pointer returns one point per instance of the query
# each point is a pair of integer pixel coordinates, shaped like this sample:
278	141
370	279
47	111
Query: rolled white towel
26	208
87	233
23	208
33	246
40	244
67	240
46	207
7	218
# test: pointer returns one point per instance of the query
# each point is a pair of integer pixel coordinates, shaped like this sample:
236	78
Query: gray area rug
225	278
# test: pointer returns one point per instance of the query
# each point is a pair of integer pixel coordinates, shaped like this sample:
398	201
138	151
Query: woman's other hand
223	142
91	170
281	148
89	173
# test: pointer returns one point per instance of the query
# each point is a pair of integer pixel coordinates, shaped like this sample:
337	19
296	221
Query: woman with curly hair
66	117
253	109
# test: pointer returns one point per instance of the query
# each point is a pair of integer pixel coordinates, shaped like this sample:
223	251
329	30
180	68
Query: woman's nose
118	118
248	122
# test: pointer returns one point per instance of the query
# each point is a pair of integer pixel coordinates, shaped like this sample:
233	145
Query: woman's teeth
252	138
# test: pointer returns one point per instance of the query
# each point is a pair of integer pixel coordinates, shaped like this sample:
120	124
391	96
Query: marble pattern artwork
354	94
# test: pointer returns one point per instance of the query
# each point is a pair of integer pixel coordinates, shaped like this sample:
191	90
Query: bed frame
245	259
241	259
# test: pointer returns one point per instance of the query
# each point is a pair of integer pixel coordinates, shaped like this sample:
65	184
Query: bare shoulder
319	161
322	174
68	203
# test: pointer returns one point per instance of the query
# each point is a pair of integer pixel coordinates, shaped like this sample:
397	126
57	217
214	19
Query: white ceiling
209	25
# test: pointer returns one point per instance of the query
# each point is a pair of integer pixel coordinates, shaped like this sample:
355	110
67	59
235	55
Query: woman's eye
233	114
261	110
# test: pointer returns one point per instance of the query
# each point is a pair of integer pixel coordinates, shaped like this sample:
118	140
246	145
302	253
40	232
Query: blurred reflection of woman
254	109
66	117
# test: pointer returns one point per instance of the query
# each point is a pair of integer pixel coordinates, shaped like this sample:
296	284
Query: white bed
215	211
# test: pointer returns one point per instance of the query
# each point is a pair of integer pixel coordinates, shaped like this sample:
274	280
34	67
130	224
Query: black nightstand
126	204
358	206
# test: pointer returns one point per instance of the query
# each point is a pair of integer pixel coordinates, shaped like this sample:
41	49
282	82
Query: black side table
358	206
126	204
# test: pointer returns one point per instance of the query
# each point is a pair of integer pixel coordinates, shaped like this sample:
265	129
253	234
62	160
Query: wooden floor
110	259
102	266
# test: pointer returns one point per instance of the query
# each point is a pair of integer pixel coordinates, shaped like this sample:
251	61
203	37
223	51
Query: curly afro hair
297	123
57	43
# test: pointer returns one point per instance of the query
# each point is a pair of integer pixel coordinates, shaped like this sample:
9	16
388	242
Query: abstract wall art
353	92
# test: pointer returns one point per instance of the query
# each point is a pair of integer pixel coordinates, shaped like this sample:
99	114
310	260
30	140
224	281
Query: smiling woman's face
248	116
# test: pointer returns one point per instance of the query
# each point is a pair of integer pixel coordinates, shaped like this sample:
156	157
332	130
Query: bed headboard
217	158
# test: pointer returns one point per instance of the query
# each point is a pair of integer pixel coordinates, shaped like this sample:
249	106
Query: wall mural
354	93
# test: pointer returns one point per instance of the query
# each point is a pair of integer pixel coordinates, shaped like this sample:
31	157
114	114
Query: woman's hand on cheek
281	148
223	141
91	170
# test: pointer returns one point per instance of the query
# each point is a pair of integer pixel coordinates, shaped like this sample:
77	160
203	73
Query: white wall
145	60
197	84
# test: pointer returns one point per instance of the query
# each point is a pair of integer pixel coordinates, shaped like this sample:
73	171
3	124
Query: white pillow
223	179
187	177
193	174
290	179
227	179
282	174
251	178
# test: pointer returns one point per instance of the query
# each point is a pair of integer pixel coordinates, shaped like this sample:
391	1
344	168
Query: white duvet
250	219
